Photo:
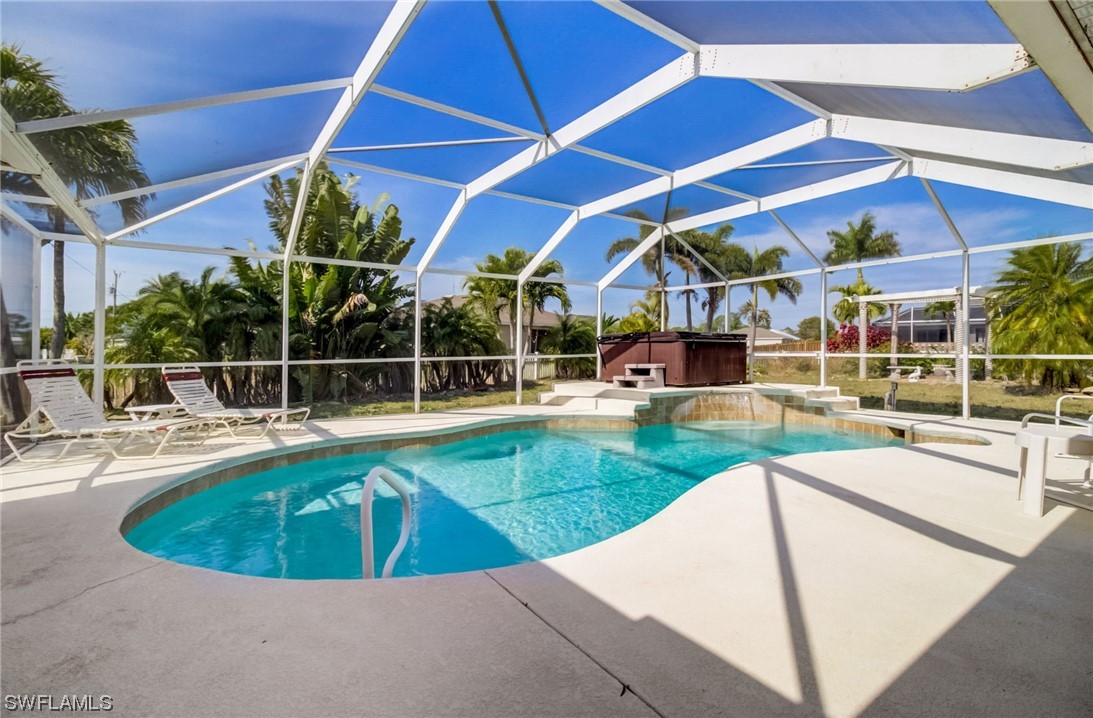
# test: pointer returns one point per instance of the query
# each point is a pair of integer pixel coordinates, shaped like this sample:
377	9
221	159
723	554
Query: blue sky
112	55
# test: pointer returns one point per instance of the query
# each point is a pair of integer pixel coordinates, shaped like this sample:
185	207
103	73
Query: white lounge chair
71	414
190	391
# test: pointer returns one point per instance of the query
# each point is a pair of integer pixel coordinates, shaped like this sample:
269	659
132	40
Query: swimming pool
479	503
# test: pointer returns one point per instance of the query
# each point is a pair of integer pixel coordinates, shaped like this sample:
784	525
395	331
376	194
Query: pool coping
670	623
792	402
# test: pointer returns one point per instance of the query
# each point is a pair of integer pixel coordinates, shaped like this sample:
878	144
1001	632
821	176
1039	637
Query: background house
766	337
544	321
916	326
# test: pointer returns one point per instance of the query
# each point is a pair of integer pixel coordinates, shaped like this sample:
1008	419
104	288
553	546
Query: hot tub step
637	382
641	376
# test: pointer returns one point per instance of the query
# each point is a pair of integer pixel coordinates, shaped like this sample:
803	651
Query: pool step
616	407
594	390
641	376
595	396
835	403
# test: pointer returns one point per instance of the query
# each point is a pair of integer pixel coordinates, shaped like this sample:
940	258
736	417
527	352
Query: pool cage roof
589	109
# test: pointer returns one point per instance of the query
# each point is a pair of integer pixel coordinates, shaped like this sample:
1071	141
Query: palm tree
682	258
945	309
201	313
93	160
860	242
338	311
258	333
1043	304
572	335
536	295
715	249
494	295
644	315
145	341
639	322
762	317
457	331
610	323
758	265
848	312
651	259
648	307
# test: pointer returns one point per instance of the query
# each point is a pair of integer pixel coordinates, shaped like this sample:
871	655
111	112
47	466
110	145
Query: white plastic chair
71	414
1087	395
192	393
1086	424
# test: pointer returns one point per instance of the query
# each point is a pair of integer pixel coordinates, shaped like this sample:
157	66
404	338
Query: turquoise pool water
479	503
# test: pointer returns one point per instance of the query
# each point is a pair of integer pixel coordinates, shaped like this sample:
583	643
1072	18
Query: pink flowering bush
846	338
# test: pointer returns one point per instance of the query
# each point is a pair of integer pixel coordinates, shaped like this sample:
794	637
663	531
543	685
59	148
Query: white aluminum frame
1021	150
392	31
83	119
949	67
971	159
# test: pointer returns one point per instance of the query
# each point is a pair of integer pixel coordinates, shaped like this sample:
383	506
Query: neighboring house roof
544	319
764	333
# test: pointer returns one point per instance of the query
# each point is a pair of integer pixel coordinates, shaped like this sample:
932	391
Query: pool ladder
368	559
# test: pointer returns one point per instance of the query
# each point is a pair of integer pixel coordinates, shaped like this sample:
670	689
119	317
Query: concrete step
835	403
642	376
617	407
637	381
828	392
599	390
645	369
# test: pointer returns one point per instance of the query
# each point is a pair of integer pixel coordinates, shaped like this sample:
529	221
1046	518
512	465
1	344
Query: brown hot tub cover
689	358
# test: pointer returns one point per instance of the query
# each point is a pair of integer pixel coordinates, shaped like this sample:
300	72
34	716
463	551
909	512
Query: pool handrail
1065	397
1087	423
368	559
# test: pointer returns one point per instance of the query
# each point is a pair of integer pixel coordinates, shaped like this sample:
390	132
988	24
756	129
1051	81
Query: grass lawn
990	399
436	401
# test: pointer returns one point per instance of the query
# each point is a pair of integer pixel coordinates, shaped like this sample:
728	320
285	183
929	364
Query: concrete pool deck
889	581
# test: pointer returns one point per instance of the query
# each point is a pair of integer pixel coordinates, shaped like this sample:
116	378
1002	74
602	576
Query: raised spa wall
739	404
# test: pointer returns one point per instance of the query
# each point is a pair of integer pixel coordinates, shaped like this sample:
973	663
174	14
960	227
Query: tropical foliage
945	310
644	315
849	312
609	323
808	328
494	295
762	316
847	337
674	252
93	160
459	331
757	265
1042	303
722	254
335	311
861	241
572	335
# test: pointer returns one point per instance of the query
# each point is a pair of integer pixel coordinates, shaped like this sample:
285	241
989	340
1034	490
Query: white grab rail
368	558
1064	397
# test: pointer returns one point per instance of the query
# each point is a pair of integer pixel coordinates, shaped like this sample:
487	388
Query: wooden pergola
964	298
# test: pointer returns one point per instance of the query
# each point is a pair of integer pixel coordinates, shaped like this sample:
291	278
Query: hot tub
689	358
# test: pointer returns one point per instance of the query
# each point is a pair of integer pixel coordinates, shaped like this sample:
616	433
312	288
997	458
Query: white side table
1037	443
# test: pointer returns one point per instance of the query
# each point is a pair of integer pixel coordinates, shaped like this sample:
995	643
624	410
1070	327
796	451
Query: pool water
479	503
